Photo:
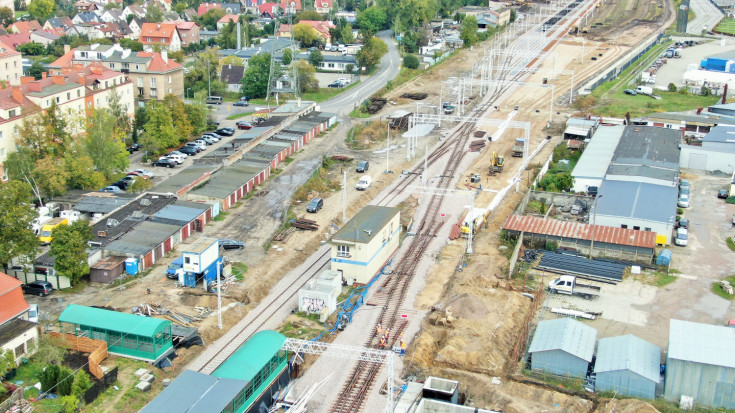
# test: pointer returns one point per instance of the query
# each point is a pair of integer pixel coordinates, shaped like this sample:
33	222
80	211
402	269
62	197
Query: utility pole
209	79
219	296
344	197
387	152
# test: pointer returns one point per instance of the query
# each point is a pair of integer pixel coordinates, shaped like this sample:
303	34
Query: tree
41	9
48	377
211	17
159	130
6	16
133	45
82	382
287	57
204	72
672	87
316	58
69	404
65	381
306	34
153	13
371	52
307	78
69	249
104	143
140	185
350	68
51	176
410	61
468	31
119	113
513	15
371	20
20	165
255	79
232	60
181	123
112	5
307	15
36	70
346	34
7	361
197	112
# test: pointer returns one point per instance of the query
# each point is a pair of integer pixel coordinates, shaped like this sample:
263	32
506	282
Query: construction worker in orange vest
403	345
382	342
387	334
379	330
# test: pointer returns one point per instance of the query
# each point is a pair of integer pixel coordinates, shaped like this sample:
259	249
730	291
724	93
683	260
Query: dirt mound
471	308
626	406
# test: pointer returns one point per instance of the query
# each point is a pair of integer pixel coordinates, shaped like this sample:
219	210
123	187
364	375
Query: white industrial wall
694	157
659	228
581	184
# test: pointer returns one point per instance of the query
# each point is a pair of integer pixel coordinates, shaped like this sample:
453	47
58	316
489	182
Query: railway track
393	289
223	348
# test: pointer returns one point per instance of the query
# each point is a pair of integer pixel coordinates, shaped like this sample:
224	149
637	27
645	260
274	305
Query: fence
514	257
59	282
14	398
98	386
520	346
97	350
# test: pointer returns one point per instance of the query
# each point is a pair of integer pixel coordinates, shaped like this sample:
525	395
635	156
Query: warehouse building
366	243
562	347
701	364
592	166
627	365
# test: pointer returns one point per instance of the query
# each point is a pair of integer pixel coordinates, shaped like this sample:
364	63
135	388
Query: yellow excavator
496	163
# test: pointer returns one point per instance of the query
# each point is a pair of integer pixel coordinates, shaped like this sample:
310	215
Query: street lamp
594	222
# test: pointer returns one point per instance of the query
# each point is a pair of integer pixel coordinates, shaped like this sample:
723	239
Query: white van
682	237
364	183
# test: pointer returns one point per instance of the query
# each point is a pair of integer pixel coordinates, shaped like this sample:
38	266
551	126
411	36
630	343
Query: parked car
682	237
243	124
362	166
202	143
336	83
176	158
225	131
630	92
241	103
244	99
188	150
194	146
165	162
214	100
683	201
134	148
142	172
684	191
258	120
208	139
178	153
231	244
683	223
38	287
722	194
122	184
315	205
684	184
112	189
33	313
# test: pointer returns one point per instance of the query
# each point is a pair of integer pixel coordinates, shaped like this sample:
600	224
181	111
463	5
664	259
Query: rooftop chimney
26	79
58	80
67	48
43	75
17	94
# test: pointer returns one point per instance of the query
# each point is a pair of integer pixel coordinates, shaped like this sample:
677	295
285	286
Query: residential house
17	334
232	8
190	15
205	7
323	6
112	15
9	4
43	37
269	10
138	11
172	17
188	32
15	39
161	34
64	23
84	6
102	3
166	4
24	27
205	35
321	27
154	75
231	75
226	19
85	17
290	6
135	26
11	65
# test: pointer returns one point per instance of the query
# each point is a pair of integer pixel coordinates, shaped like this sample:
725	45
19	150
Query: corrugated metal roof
366	225
567	335
597	156
100	204
649	145
722	133
577	130
645	201
702	343
629	353
177	213
578	230
195	392
143	238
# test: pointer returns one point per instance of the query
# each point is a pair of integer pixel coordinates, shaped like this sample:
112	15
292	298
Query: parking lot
643	309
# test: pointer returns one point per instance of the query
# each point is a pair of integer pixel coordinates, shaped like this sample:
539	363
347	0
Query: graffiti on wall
313	305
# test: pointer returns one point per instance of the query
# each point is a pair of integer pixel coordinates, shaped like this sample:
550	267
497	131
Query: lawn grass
221	216
726	26
717	288
358	113
617	104
661	279
238	270
239	115
730	243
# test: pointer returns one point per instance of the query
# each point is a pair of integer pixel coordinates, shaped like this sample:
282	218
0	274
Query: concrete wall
626	383
710	386
559	363
366	260
696	157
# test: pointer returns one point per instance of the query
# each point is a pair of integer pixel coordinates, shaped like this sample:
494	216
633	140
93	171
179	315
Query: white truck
644	90
567	284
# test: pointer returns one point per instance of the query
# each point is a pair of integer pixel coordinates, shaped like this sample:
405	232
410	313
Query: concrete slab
141	372
143	386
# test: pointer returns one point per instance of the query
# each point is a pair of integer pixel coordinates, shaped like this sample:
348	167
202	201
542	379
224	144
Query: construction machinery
518	147
496	163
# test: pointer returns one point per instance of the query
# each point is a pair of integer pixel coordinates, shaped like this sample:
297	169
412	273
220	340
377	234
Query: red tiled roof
577	230
25	27
267	8
12	302
63	61
227	17
159	65
321	4
157	31
7	50
15	39
186	25
205	7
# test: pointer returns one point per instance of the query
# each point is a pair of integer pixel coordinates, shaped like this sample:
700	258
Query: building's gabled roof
252	356
701	343
566	335
598	153
232	74
158	31
45	34
158	64
366	225
12	301
24	27
229	17
14	328
88	17
721	133
15	39
629	353
270	8
61	22
186	25
112	320
194	392
7	50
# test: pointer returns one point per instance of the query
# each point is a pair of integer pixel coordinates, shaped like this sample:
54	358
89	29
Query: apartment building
75	90
153	75
188	32
11	65
163	35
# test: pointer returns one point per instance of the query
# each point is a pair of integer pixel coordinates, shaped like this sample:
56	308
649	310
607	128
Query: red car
244	125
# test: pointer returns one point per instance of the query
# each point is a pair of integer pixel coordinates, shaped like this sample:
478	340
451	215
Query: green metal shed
127	335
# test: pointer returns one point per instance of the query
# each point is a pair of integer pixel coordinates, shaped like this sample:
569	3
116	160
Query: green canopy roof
112	320
249	359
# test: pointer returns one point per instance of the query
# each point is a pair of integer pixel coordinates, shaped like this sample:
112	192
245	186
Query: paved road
345	102
706	16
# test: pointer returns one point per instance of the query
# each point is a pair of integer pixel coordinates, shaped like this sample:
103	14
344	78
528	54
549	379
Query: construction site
448	299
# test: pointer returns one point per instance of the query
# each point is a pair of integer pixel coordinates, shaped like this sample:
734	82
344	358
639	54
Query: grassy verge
319	182
304	330
730	243
726	26
717	288
661	279
363	135
239	115
238	270
327	93
221	217
359	113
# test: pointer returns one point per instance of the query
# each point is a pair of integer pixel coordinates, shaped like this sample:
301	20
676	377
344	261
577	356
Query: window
68	95
11	113
15	130
79	93
623	226
170	80
140	81
148	39
1	135
154	94
170	91
648	229
330	65
2	156
112	65
343	251
20	350
58	99
153	82
48	103
187	260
